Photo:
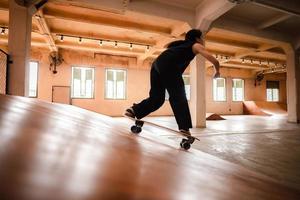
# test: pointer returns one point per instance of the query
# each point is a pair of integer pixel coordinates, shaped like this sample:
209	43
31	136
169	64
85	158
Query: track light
148	48
131	47
217	56
116	44
3	31
260	62
251	62
80	40
101	43
226	58
61	38
243	60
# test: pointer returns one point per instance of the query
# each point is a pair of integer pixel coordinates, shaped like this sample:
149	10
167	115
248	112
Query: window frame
125	81
225	81
37	79
93	82
243	89
272	91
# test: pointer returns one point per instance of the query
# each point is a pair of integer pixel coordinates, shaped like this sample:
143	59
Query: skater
166	74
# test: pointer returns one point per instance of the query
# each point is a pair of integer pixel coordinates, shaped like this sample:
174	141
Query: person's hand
217	74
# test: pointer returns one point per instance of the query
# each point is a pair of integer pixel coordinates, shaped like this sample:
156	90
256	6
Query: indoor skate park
69	69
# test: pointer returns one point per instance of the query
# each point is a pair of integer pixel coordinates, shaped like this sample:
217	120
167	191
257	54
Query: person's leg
178	101
156	97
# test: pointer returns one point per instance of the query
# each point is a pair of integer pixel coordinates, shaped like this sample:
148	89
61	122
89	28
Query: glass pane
33	76
186	79
76	73
109	75
219	90
238	90
109	89
188	92
89	74
220	82
120	76
89	89
76	88
120	90
269	95
275	95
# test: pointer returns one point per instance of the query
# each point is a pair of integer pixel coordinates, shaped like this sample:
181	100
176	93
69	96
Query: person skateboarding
166	74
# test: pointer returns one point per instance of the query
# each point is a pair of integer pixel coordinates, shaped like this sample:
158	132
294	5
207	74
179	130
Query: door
61	94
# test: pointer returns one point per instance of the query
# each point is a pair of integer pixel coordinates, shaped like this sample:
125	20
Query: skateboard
185	142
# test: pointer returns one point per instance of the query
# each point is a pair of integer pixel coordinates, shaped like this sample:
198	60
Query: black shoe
130	113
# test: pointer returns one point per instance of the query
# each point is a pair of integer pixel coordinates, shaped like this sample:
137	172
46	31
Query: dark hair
192	34
176	43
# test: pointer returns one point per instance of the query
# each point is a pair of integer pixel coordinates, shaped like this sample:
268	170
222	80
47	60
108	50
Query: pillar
292	97
198	97
19	41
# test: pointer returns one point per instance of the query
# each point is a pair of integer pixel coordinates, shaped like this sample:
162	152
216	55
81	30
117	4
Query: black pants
172	81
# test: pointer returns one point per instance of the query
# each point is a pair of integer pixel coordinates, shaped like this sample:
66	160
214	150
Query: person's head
194	35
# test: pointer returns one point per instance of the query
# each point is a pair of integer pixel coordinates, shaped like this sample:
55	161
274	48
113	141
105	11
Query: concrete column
198	97
206	12
298	84
291	85
19	41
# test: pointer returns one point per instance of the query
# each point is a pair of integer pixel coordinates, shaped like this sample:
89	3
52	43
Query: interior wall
251	92
138	83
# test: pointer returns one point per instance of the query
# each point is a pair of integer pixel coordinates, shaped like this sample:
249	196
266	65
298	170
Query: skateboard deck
185	143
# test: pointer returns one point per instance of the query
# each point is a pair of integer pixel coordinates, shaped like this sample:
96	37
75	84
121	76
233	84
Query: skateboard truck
185	142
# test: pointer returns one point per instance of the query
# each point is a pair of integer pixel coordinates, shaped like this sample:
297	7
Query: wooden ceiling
61	25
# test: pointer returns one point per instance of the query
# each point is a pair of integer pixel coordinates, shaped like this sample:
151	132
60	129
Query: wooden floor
265	144
58	152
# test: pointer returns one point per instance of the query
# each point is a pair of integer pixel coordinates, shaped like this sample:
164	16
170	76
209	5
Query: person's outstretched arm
199	49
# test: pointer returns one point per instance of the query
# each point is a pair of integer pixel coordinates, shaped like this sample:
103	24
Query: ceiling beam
261	48
274	20
242	66
209	10
154	8
109	22
290	7
229	43
44	29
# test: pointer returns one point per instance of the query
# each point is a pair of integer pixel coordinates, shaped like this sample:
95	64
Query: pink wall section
137	80
138	83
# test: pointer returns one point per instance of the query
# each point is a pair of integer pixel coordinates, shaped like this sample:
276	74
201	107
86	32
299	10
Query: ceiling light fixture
3	31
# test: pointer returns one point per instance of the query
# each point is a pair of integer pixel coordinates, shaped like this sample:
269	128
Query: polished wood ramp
53	151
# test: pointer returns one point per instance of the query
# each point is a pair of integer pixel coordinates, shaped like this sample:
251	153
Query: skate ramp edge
264	108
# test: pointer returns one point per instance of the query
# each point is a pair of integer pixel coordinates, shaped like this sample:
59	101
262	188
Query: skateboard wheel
136	129
185	145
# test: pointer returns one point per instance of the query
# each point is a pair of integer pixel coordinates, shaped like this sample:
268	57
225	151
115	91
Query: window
237	89
33	79
187	86
115	84
272	90
219	89
82	82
